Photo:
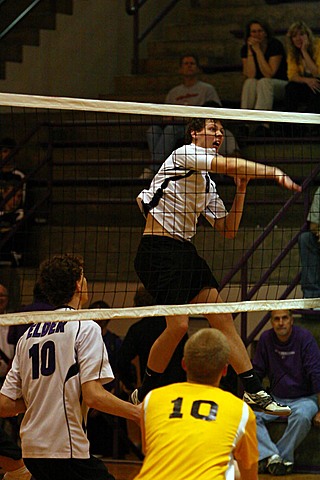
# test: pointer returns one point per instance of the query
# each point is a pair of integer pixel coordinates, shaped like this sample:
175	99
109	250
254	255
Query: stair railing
133	8
20	17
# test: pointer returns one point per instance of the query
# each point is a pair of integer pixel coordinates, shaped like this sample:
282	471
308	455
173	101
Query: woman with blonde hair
303	69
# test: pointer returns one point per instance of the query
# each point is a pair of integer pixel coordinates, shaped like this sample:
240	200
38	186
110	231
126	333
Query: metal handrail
133	8
20	17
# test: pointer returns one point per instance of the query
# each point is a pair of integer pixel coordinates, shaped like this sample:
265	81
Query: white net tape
159	310
64	103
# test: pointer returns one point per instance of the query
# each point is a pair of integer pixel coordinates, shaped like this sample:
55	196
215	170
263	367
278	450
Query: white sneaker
264	402
147	174
288	467
275	466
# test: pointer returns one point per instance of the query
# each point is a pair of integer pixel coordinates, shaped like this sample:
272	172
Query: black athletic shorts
67	469
8	448
171	270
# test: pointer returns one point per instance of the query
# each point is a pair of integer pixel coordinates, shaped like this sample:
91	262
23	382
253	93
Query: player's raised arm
239	167
228	226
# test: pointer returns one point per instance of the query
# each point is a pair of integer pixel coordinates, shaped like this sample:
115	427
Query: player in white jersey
167	262
57	374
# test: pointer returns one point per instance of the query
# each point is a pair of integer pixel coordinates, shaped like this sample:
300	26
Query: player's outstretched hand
285	181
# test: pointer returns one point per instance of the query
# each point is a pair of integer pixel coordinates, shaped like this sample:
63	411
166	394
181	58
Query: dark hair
143	298
196	125
58	278
99	304
193	55
38	294
266	27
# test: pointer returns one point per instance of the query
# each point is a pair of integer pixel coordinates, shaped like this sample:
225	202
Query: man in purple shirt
290	357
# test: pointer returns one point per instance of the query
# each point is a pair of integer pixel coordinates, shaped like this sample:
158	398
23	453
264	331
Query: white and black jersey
182	190
52	361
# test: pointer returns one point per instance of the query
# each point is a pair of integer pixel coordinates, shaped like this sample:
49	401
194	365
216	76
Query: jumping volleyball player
168	264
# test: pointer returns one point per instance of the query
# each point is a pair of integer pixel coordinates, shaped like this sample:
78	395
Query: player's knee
179	325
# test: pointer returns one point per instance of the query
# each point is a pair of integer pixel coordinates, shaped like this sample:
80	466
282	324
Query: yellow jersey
194	432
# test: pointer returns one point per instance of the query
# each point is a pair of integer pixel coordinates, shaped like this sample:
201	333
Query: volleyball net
85	162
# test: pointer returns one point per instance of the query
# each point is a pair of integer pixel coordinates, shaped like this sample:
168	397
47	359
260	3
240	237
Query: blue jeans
310	264
299	423
162	141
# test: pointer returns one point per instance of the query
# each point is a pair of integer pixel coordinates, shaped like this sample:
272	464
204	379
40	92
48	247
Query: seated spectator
309	248
8	169
264	66
7	147
11	213
303	89
40	303
149	329
290	357
162	139
4	298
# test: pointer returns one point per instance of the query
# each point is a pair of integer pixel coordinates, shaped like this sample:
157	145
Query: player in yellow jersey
195	430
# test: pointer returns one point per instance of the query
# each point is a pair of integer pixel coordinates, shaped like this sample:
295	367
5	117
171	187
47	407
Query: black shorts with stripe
171	270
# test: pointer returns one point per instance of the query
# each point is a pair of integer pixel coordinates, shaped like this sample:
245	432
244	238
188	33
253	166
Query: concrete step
170	64
218	50
227	84
23	36
204	32
11	53
26	32
231	3
279	15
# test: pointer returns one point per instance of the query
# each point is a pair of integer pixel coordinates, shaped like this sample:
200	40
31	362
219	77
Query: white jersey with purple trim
52	361
182	190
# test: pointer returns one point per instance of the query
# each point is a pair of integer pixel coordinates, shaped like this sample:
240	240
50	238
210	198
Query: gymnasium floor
126	470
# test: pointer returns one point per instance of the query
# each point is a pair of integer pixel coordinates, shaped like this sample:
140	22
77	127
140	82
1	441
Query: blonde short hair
205	354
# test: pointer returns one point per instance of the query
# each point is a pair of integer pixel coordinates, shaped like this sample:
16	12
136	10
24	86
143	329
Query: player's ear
193	134
224	370
183	364
79	285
